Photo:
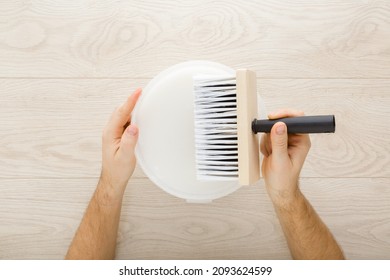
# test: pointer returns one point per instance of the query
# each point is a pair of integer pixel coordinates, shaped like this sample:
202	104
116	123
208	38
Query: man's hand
119	140
284	155
97	233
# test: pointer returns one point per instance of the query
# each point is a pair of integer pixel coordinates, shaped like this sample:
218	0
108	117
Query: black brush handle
304	124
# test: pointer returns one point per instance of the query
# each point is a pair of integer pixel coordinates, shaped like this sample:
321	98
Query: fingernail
280	129
132	130
138	91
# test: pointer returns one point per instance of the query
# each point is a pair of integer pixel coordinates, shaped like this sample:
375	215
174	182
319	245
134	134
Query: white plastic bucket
166	148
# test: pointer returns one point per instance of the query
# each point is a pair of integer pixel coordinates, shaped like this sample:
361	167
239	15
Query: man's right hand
284	155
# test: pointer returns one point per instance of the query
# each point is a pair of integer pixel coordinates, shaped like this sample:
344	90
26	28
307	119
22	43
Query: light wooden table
64	66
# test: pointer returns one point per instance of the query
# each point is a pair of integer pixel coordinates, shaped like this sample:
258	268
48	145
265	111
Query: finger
131	101
265	145
279	143
299	145
121	116
285	113
128	142
263	148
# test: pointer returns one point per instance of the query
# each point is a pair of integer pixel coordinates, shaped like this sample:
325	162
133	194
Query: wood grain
40	216
275	38
52	128
360	147
65	66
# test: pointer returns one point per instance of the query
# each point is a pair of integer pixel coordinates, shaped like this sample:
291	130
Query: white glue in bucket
166	146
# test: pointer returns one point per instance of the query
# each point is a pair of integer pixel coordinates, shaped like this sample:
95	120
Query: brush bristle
216	128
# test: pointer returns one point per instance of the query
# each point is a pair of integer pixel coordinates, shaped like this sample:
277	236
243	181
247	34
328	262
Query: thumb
279	142
128	141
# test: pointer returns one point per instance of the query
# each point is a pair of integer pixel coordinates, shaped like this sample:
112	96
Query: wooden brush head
248	144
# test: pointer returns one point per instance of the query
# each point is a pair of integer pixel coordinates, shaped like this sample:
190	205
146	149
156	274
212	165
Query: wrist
287	201
109	192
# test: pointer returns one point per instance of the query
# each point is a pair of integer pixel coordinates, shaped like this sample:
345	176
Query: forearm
97	234
307	236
